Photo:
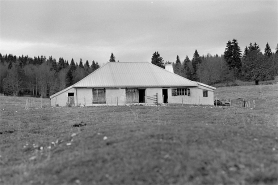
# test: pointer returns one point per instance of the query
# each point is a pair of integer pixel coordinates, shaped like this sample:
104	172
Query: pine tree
267	50
69	75
256	46
245	52
93	66
157	59
236	55
87	64
87	67
177	66
52	62
61	64
72	65
228	51
196	60
232	55
112	58
187	68
256	67
69	78
81	63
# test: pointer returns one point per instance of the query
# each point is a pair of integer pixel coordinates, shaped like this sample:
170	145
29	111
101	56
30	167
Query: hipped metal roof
133	74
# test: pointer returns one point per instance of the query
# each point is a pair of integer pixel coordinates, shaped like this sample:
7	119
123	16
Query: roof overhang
205	85
60	92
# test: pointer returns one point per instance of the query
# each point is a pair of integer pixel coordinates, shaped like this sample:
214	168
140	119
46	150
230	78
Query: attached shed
122	83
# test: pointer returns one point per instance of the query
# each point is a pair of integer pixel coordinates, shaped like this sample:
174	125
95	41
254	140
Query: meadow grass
142	145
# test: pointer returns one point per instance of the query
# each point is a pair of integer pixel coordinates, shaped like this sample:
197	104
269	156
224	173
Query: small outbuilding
123	83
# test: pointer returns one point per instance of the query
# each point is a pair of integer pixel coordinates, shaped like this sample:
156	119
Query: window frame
180	91
205	93
99	99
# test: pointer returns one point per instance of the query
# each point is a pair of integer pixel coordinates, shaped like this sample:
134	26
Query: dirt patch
79	124
7	132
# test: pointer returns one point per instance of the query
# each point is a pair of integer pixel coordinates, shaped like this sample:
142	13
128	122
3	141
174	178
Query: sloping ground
141	145
265	96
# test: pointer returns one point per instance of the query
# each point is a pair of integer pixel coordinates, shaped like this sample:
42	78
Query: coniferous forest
41	76
250	65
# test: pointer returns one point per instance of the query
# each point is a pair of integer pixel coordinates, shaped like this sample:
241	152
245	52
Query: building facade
119	83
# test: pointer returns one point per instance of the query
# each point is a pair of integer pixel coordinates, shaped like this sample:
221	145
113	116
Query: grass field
142	145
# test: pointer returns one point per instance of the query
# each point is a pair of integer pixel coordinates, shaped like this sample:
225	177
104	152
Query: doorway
165	95
70	99
141	95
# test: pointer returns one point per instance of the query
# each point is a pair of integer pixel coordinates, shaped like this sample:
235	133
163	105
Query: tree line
252	65
40	76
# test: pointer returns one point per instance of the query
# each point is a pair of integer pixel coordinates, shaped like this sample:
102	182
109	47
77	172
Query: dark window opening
70	94
205	93
99	96
141	95
165	95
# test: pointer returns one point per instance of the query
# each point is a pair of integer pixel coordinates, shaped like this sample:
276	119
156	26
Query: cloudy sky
133	30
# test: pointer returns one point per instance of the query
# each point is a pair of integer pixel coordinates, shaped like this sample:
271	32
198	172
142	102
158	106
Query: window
70	94
99	96
181	92
205	93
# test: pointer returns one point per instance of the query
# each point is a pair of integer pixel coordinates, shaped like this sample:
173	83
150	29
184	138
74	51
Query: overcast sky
134	30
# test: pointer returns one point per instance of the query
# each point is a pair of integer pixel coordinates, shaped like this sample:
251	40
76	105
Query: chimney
169	67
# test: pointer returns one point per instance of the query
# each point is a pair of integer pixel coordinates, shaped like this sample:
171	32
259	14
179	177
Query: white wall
180	99
152	92
84	96
115	96
62	99
205	100
196	97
